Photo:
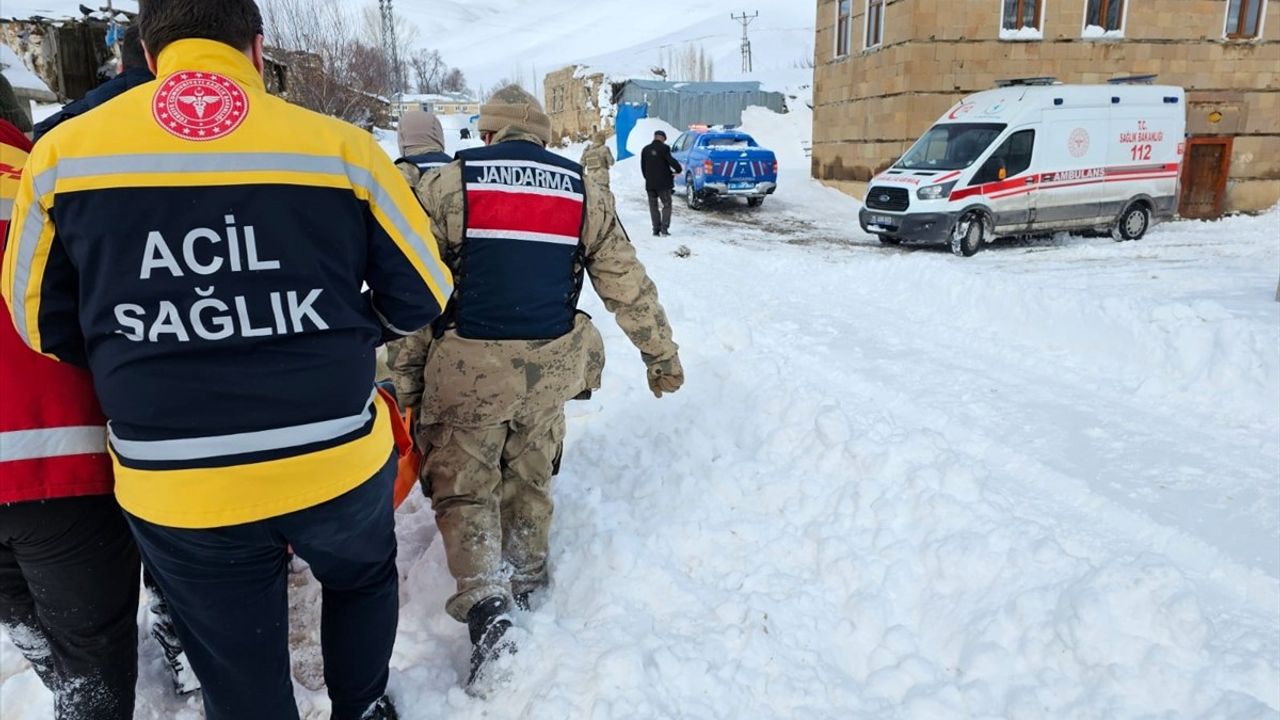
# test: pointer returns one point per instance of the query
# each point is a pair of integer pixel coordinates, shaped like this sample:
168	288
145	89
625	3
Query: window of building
875	23
844	27
1244	18
1022	20
1104	18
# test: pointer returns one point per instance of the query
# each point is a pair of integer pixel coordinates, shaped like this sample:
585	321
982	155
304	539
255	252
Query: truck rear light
775	167
709	167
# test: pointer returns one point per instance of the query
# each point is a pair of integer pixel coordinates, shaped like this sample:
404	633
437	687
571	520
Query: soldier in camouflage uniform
597	160
520	226
421	140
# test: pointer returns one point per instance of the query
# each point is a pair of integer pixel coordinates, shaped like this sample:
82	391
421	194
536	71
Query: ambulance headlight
935	192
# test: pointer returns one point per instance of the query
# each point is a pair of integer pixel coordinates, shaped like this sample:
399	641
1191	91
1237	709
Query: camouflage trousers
491	491
600	176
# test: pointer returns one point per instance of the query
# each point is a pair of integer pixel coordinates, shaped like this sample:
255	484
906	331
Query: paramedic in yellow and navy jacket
203	248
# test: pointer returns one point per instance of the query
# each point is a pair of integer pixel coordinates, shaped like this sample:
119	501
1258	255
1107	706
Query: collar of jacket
511	134
210	56
415	150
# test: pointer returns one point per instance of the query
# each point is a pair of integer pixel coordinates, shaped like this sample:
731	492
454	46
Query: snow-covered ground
1043	482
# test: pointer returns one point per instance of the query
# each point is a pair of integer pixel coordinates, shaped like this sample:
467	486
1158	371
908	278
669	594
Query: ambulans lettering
207	253
1074	175
526	177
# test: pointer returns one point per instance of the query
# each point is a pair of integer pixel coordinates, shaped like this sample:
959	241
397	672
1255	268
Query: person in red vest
68	563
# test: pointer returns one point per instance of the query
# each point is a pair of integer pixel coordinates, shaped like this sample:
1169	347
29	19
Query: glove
666	376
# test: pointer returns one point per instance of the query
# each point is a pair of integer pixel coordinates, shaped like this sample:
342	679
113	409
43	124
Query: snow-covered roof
61	9
17	73
446	97
695	88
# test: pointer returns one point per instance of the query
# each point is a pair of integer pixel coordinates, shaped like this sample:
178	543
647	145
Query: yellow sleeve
26	258
410	285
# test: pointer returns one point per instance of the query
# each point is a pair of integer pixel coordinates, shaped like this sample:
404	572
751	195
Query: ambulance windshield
953	146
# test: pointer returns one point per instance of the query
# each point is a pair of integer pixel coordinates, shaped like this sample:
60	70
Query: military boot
384	709
488	623
184	679
529	595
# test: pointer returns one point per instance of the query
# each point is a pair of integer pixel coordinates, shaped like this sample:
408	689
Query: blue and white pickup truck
721	164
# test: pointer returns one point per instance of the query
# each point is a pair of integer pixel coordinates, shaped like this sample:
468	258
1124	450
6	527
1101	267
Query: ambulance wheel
755	202
969	234
1133	223
691	196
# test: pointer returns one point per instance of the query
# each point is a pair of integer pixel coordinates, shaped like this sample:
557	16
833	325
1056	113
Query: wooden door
1204	178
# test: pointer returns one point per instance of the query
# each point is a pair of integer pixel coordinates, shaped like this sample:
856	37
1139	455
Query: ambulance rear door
1144	149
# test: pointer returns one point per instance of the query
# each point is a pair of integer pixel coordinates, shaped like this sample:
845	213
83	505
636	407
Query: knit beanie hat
513	109
420	132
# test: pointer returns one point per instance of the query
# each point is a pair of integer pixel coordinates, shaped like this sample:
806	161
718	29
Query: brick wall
872	104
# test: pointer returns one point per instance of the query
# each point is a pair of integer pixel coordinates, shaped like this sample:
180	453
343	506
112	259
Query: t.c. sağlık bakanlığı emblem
199	105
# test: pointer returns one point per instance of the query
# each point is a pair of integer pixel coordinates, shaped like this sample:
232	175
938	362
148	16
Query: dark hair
656	133
131	55
232	22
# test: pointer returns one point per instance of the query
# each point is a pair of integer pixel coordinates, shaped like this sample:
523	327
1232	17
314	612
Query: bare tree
687	64
406	37
371	29
429	70
433	75
330	70
454	81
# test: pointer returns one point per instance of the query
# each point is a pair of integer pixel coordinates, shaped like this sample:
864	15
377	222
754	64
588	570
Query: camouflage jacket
477	383
597	159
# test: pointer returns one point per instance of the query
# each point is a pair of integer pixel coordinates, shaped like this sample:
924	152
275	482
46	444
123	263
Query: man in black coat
659	170
133	73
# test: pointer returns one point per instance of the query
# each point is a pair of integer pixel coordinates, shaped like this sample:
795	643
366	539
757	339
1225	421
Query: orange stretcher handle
409	462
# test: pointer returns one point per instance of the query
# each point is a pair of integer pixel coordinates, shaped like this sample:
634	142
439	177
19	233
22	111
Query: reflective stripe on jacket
53	439
202	246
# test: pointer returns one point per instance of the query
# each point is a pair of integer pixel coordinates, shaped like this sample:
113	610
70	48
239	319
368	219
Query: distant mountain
514	39
495	39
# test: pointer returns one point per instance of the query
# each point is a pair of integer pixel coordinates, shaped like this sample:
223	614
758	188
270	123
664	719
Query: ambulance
1035	157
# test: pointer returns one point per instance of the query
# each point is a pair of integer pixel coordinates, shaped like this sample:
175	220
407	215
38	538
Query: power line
746	19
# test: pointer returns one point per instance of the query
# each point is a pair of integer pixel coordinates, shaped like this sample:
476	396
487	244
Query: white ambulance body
1036	157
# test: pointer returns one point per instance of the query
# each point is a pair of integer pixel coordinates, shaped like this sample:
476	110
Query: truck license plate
741	186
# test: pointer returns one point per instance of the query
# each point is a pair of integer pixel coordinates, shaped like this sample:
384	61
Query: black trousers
660	209
228	591
69	601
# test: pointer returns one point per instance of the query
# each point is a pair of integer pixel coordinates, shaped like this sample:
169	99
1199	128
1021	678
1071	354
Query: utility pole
746	19
391	46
